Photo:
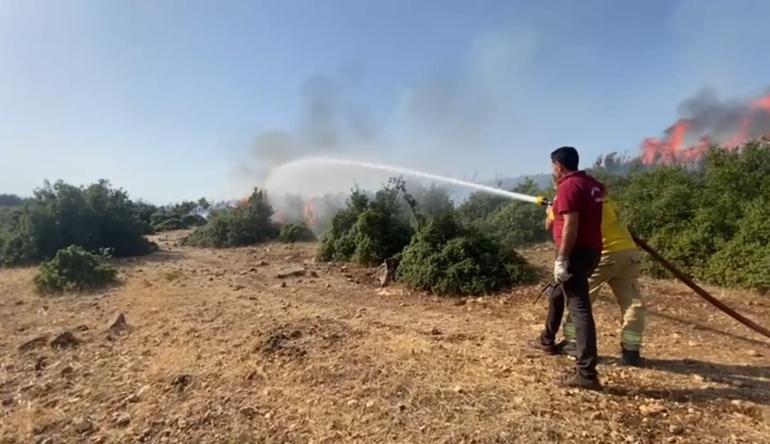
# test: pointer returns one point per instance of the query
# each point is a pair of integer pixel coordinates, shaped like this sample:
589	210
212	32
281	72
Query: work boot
570	349
631	358
548	349
576	380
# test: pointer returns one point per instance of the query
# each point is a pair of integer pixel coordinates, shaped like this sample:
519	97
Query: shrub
367	231
516	225
479	206
447	257
512	223
93	217
708	220
432	200
179	216
745	259
72	269
10	200
144	211
168	224
293	232
247	224
379	234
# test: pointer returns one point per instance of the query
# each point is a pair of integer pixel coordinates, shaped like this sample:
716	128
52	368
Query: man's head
564	160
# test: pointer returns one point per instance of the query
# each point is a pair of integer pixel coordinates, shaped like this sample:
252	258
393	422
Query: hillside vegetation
713	220
96	217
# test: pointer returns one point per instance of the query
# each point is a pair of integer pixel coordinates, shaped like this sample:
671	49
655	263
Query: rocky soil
263	344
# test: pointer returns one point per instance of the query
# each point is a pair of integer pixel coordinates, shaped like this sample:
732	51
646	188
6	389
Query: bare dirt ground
216	348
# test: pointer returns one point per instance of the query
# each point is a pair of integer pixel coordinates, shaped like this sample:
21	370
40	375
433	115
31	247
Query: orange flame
763	103
666	151
674	147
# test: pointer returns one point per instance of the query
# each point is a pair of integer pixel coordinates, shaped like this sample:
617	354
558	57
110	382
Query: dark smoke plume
724	121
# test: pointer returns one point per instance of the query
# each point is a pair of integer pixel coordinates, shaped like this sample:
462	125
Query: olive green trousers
620	270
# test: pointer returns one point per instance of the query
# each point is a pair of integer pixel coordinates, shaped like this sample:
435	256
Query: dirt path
219	349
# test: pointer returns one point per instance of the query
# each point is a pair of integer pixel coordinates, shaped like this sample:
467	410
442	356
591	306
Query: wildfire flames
711	123
308	215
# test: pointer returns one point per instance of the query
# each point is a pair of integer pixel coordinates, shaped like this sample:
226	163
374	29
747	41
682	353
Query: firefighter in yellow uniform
619	267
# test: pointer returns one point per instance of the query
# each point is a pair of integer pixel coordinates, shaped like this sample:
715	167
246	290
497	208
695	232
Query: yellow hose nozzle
542	201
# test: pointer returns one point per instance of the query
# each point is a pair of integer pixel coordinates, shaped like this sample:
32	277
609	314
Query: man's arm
569	234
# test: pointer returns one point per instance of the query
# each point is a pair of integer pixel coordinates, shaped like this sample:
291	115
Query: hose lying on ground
687	280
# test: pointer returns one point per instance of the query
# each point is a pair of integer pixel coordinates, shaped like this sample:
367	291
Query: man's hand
560	273
549	217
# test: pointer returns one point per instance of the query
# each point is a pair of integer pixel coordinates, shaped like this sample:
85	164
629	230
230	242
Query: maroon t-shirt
581	193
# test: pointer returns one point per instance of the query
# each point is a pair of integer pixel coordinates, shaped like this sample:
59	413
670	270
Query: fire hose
687	280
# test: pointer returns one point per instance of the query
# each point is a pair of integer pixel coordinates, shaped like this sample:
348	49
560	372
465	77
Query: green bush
512	223
479	206
432	200
144	211
93	217
449	258
745	259
11	200
168	224
179	216
708	220
247	224
293	232
367	231
74	269
338	243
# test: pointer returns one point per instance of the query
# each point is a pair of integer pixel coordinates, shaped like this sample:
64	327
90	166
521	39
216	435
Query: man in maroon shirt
577	235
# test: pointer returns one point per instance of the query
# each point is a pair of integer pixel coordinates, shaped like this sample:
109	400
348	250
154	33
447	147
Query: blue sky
174	100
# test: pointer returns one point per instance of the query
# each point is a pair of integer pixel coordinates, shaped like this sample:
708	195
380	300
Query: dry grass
222	352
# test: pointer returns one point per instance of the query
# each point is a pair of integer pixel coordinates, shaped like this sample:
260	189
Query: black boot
548	349
631	358
576	380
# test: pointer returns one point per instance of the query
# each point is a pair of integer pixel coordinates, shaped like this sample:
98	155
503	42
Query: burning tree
248	223
708	122
711	220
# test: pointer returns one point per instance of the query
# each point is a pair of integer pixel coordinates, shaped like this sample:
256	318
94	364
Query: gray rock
118	323
386	272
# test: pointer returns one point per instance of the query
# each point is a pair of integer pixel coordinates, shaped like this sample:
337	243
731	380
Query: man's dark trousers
582	263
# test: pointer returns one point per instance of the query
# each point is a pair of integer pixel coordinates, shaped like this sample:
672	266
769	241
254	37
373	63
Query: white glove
560	273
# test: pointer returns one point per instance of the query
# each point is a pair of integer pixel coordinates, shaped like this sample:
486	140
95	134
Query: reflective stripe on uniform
569	331
631	338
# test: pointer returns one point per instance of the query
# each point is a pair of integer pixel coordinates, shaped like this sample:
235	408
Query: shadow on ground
156	257
745	382
704	327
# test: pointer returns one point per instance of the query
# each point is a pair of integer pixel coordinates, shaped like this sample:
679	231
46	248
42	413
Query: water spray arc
429	176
